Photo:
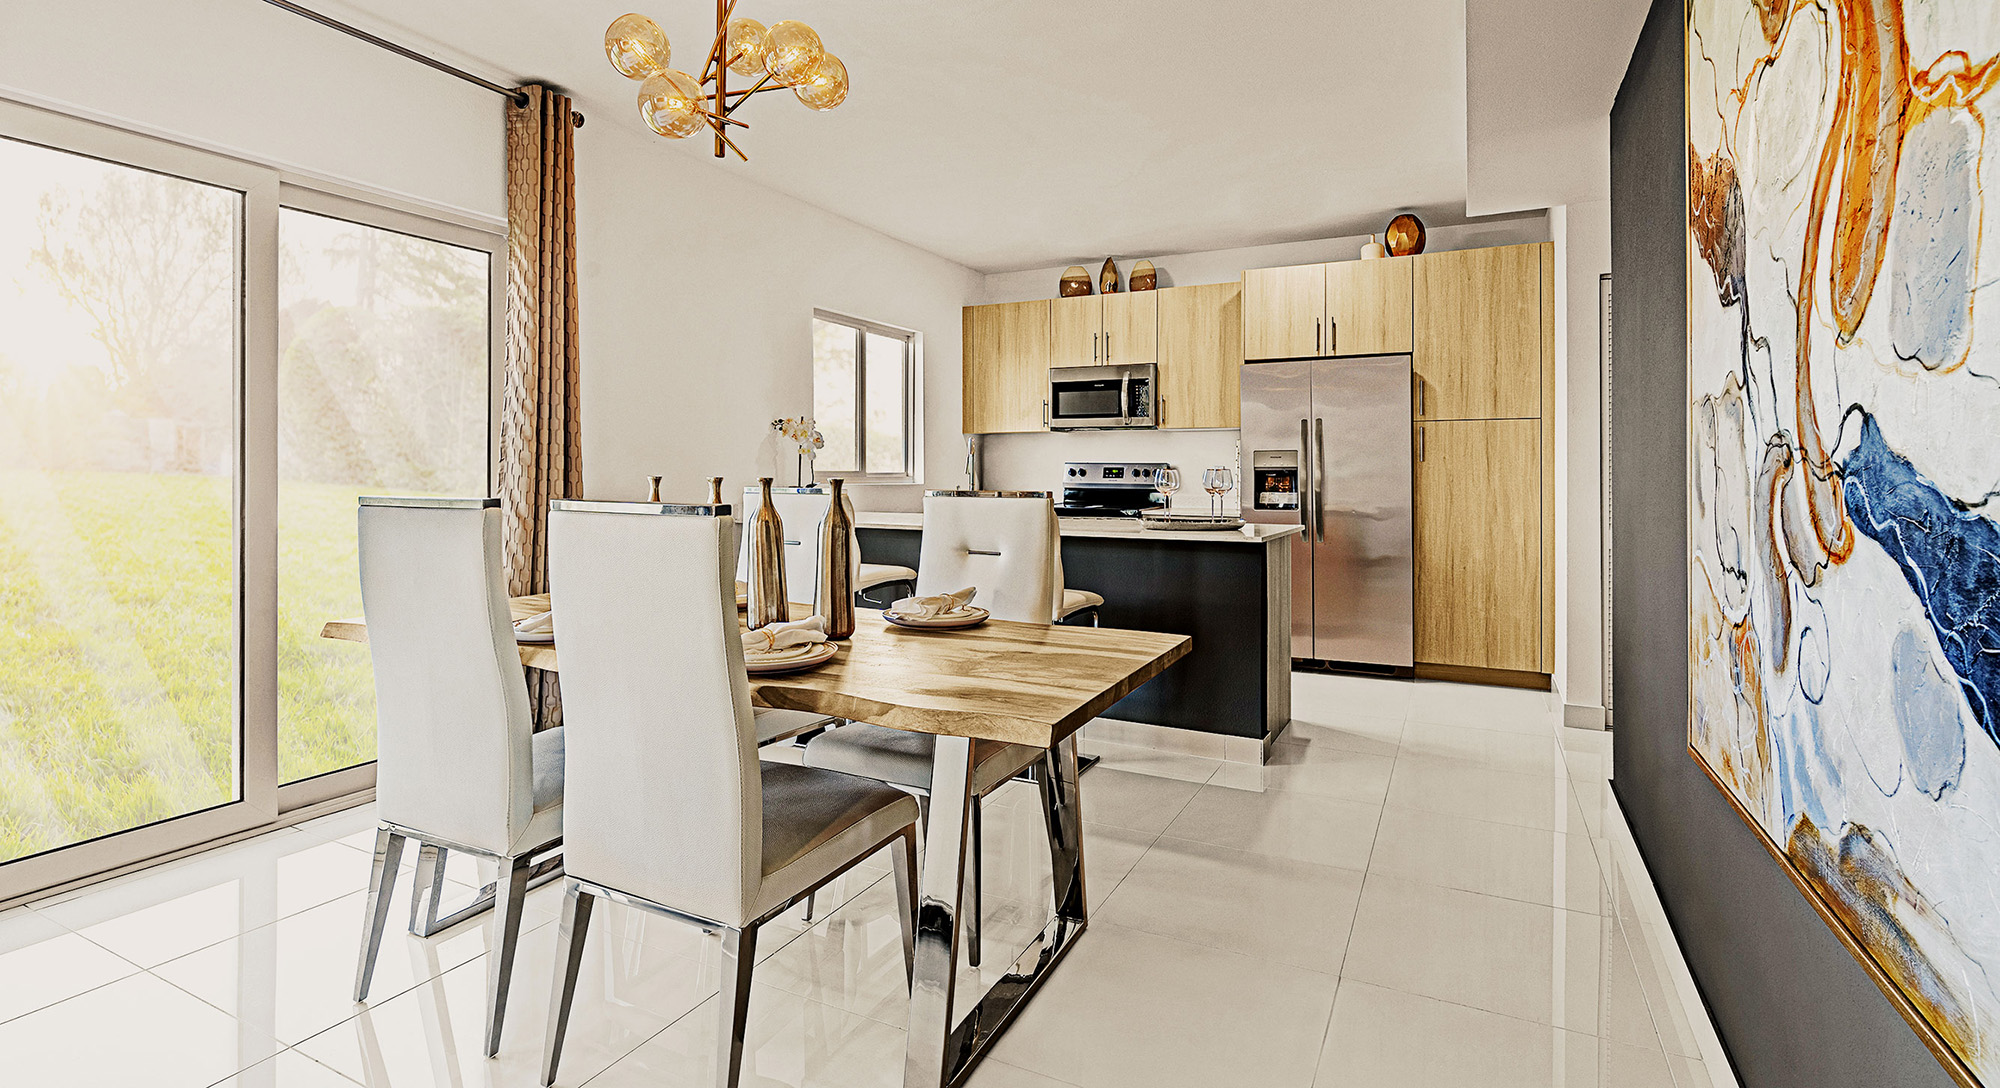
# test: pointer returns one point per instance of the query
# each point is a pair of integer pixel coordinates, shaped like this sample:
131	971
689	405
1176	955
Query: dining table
1000	682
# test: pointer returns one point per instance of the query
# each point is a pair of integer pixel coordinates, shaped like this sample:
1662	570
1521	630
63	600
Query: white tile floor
1430	884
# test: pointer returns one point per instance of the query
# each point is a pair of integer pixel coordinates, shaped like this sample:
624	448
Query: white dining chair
670	810
1007	545
458	765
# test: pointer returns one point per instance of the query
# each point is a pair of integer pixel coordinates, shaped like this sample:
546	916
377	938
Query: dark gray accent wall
1792	1006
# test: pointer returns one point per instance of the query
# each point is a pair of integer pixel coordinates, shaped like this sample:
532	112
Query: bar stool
1005	543
670	810
458	765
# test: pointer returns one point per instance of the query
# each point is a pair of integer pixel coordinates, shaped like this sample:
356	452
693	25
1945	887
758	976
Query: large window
201	367
864	397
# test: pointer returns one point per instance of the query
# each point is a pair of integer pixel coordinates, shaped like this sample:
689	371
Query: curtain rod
518	96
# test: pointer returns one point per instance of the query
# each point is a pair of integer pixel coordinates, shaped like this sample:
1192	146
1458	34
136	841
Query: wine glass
1217	482
1168	481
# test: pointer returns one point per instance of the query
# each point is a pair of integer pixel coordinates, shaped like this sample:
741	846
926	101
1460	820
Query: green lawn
117	654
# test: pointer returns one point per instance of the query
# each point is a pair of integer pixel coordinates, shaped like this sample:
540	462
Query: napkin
541	623
941	604
779	638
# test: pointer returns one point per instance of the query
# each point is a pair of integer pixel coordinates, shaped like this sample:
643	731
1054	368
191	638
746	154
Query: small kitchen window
864	398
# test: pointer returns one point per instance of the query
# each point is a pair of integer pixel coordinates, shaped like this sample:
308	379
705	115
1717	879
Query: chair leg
510	887
904	854
381	886
739	956
428	890
569	964
972	882
812	901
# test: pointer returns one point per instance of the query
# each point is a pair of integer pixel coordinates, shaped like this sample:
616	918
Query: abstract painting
1844	497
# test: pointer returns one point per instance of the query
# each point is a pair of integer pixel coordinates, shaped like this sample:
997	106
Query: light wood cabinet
1132	327
1368	307
1284	312
1478	343
1006	367
1201	355
1479	524
1076	331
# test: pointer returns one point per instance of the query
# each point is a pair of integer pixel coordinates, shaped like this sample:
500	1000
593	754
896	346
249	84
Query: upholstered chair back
663	797
452	723
1005	545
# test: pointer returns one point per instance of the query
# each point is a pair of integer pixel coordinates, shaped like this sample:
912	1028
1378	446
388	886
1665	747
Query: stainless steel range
1095	489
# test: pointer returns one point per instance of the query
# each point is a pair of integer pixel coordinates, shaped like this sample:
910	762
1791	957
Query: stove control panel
1112	474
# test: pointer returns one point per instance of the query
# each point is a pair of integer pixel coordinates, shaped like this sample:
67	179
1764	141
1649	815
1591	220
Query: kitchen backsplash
1034	462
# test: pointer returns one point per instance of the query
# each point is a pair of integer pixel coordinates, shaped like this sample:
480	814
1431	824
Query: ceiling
1010	134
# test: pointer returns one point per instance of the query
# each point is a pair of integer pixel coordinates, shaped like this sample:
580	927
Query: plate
969	617
812	657
543	638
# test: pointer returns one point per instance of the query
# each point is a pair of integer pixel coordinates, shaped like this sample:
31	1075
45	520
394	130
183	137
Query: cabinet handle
1316	336
1094	338
1420	394
1332	337
1162	410
1107	347
1420	443
1045	412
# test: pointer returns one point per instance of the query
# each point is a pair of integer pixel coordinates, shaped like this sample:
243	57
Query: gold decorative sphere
825	86
794	49
748	44
670	104
637	47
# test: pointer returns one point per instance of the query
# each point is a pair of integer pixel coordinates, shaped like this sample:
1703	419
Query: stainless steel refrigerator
1326	445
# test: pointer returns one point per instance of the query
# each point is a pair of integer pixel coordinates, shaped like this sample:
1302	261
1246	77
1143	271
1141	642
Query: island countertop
1112	528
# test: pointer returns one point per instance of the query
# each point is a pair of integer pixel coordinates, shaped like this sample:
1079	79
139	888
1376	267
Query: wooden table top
1020	682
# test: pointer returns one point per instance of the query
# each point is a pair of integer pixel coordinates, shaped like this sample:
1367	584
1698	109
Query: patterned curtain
541	445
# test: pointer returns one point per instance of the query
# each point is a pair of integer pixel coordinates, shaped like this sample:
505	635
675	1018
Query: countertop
1106	528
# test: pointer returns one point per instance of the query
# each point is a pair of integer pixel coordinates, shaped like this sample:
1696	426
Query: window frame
912	399
262	803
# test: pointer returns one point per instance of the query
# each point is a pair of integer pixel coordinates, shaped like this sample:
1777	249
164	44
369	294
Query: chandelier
785	55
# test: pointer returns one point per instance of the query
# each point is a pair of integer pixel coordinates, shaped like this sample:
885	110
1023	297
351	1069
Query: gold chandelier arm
740	97
716	124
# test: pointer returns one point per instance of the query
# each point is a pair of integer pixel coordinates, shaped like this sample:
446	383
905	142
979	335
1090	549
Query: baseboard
1468	674
1585	717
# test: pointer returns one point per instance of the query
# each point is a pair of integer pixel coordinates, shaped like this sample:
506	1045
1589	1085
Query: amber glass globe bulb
637	47
825	86
794	49
747	39
670	104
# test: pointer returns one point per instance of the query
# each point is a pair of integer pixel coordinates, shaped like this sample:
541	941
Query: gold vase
715	491
767	564
653	488
834	602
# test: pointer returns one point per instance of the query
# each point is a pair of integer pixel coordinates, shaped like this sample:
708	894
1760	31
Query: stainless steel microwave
1088	398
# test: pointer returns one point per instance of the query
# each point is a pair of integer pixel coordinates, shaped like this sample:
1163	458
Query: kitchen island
1228	591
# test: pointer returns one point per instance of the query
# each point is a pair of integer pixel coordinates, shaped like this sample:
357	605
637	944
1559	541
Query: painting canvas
1844	499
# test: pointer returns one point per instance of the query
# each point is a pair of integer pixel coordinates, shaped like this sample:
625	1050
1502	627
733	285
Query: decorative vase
715	491
1144	277
1373	250
1107	280
834	602
1405	235
653	488
1075	282
805	468
768	603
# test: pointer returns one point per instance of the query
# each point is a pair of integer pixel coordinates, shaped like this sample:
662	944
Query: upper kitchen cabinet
1006	366
1092	330
1076	331
1368	308
1284	312
1201	355
1132	327
1478	345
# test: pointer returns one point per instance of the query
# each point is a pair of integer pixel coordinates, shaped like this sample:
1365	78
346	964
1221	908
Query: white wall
1034	461
697	293
249	80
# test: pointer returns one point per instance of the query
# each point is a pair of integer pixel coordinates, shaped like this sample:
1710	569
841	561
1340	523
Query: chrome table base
943	1048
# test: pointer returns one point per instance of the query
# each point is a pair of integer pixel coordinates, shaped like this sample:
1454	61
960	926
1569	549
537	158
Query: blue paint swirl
1949	555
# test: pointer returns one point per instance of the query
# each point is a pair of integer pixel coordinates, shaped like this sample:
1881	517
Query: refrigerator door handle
1306	485
1319	480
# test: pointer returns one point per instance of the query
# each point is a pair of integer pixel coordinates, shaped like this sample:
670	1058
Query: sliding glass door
200	368
384	388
